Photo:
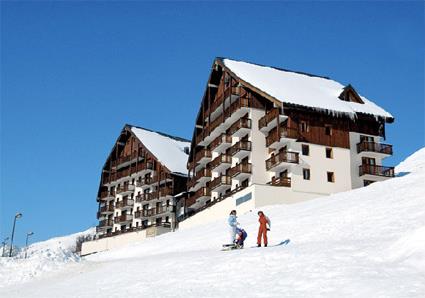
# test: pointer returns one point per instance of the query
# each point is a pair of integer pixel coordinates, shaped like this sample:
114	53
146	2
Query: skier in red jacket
262	231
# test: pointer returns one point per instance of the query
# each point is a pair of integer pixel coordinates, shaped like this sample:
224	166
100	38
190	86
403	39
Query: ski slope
368	242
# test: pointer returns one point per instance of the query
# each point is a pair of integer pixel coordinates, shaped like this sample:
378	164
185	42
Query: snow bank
362	243
42	257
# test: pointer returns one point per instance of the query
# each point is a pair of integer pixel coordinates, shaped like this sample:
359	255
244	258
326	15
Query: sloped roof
169	150
301	89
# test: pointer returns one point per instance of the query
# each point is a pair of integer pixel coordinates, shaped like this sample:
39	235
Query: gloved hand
268	229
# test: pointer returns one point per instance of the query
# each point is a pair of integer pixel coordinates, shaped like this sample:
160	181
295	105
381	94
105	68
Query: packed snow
301	89
367	242
169	151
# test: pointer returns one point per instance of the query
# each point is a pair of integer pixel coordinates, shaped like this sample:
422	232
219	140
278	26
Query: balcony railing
124	203
221	180
203	173
202	192
123	218
107	208
366	169
125	188
145	197
165	191
106	223
273	114
204	153
241	102
278	133
222	139
240	168
222	158
107	194
280	181
374	147
240	124
240	146
284	156
127	158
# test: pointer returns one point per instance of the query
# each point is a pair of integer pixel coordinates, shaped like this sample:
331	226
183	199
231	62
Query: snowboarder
240	237
233	223
262	231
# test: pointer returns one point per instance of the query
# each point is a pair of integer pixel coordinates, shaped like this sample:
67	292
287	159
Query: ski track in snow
363	243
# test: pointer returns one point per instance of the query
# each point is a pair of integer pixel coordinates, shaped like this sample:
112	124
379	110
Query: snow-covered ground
368	242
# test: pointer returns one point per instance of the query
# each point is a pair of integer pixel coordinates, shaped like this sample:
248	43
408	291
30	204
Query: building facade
140	180
266	135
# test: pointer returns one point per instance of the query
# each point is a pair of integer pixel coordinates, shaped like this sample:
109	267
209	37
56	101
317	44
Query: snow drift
362	243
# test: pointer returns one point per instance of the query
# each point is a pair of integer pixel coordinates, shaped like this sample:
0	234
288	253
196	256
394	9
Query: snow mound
414	163
42	257
410	249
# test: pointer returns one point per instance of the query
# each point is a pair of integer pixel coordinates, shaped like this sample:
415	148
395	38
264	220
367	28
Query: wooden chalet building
265	135
139	181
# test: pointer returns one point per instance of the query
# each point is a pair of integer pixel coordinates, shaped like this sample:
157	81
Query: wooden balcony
281	181
107	195
375	148
127	159
202	193
106	223
203	156
163	209
270	120
236	109
240	171
240	149
221	143
203	173
220	183
143	197
374	170
126	188
221	162
106	209
240	127
278	136
124	218
281	160
145	167
126	203
165	192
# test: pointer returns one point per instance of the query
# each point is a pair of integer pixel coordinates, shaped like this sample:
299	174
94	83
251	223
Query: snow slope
363	243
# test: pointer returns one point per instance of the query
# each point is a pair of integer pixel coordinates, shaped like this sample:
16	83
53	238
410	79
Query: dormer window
349	94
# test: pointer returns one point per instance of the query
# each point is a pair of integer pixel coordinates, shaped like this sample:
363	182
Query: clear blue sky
72	74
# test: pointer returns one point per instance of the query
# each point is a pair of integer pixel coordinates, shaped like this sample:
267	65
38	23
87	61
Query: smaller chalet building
140	180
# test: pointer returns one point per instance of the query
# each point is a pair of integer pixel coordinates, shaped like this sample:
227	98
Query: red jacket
263	221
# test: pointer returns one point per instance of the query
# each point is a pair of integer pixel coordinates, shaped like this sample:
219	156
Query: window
364	138
329	153
328	130
368	161
167	219
331	176
306	174
305	149
304	126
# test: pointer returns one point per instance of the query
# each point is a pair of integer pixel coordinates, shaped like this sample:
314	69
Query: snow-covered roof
301	89
167	149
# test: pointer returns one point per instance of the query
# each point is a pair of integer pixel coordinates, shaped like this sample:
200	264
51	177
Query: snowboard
227	247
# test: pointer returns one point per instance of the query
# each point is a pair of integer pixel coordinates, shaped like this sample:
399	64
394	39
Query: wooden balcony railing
124	203
127	158
125	188
221	180
107	208
284	156
123	218
165	191
148	165
202	173
366	169
202	192
374	147
241	102
220	98
107	194
222	158
221	139
106	223
204	153
280	181
239	124
271	115
145	197
240	168
278	133
240	146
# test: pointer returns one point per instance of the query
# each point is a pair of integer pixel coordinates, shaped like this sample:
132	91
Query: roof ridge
279	68
160	133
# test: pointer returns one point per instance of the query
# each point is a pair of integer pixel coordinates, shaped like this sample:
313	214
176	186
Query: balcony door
368	161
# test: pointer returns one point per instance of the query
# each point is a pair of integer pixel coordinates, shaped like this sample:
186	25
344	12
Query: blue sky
73	73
